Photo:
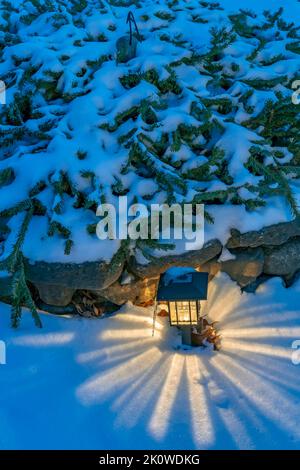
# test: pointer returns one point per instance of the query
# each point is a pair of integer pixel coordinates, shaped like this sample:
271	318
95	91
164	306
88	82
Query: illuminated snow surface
107	383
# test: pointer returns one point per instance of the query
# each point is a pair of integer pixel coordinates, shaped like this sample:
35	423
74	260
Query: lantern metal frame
189	288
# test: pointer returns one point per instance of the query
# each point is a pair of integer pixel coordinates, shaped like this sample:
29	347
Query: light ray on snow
261	332
44	340
264	395
128	334
162	379
160	418
244	396
204	434
99	386
256	348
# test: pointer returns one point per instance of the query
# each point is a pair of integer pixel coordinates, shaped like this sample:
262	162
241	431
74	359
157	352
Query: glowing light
261	332
101	385
141	392
140	319
160	419
203	432
236	393
263	395
256	348
39	340
257	315
114	352
127	334
222	300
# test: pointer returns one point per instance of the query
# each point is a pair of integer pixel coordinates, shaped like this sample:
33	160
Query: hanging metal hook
130	20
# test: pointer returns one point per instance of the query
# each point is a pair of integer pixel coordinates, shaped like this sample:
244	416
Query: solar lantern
182	290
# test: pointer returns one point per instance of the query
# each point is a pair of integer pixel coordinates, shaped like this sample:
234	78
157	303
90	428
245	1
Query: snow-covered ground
107	383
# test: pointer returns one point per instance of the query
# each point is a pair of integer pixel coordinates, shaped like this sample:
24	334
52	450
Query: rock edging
272	251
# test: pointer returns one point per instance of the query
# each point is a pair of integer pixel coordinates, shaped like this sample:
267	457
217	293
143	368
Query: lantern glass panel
173	314
183	313
194	315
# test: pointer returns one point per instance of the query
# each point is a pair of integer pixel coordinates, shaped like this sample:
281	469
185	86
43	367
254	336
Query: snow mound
202	114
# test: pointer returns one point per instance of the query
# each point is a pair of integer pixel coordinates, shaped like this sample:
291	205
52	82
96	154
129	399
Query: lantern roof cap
182	284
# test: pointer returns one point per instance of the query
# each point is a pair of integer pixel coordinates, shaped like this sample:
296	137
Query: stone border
272	251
